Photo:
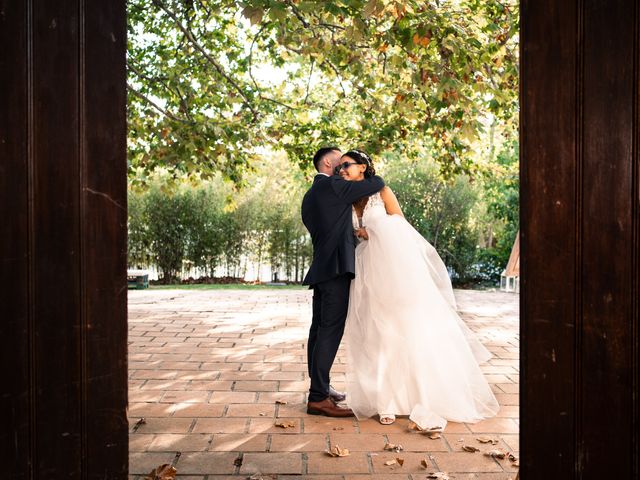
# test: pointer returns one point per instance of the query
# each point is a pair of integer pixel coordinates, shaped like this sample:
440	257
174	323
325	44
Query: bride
408	351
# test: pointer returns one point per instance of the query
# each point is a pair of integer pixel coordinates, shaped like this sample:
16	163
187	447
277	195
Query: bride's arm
391	204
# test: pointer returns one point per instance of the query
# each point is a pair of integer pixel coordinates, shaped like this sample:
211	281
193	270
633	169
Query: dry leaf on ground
511	456
424	463
470	448
392	447
285	424
434	436
163	472
400	461
388	463
338	428
490	440
142	421
336	451
281	402
238	462
440	475
495	454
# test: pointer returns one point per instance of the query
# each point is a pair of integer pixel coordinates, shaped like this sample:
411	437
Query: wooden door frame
63	204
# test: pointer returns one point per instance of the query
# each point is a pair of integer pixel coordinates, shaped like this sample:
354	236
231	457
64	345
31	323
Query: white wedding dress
408	351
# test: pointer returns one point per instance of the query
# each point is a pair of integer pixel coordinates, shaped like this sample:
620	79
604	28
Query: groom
326	212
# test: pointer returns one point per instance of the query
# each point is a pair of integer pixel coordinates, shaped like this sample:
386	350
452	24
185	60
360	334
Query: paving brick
412	463
189	396
418	442
171	442
289	397
307	442
251	410
139	442
494	425
271	463
208	463
320	462
143	463
267	425
239	442
147	409
320	424
220	425
165	425
232	397
465	462
255	386
197	410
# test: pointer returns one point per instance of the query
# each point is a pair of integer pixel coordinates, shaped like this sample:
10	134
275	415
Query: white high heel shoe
387	418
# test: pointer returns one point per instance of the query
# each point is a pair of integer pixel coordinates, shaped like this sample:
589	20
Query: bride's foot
387	418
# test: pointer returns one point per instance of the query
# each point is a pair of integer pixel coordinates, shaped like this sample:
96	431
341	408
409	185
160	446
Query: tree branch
189	34
166	113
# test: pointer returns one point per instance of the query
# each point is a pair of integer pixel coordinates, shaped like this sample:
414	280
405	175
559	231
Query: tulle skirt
408	351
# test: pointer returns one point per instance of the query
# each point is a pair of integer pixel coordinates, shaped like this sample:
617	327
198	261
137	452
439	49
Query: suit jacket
326	212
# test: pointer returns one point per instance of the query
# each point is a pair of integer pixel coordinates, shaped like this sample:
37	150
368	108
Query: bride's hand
362	233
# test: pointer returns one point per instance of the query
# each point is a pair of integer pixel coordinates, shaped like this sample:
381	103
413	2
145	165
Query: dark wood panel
15	391
548	216
56	233
580	239
104	220
605	342
63	254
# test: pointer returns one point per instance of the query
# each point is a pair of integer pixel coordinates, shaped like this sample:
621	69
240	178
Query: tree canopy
213	83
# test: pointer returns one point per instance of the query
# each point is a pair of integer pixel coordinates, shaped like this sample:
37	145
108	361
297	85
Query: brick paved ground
207	367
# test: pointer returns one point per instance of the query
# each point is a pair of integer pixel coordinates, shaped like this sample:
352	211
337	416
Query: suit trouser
330	304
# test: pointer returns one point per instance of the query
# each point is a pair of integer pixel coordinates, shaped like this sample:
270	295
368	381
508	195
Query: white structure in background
510	277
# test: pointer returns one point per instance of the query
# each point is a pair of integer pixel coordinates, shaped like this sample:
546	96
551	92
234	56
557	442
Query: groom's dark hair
317	158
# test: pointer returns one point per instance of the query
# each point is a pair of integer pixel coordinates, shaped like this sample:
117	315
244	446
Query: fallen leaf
512	457
390	462
393	447
336	451
256	476
281	402
142	421
400	461
285	424
424	463
434	436
440	475
163	472
238	462
495	454
490	440
262	414
470	448
338	428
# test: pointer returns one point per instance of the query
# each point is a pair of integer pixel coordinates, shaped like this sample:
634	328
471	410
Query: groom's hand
362	233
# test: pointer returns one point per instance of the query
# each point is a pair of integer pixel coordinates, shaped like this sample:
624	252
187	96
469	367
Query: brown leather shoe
328	408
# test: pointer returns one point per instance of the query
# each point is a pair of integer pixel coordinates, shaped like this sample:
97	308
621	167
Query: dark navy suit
326	212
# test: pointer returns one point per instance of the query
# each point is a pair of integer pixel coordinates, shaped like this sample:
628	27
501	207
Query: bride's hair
362	158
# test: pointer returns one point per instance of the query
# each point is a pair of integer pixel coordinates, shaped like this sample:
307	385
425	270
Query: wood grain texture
15	328
62	145
548	245
580	216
